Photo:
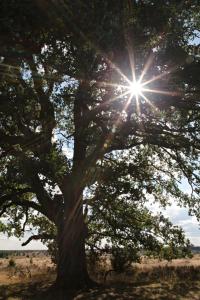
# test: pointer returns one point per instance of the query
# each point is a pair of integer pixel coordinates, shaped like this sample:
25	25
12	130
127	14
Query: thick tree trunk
72	267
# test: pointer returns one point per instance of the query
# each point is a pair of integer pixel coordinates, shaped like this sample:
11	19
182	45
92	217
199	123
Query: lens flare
135	89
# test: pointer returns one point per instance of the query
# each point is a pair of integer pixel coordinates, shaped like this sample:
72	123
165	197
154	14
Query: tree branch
4	209
26	204
20	192
43	236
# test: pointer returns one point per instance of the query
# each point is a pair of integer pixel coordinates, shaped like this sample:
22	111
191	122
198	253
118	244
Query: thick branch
43	236
47	110
24	203
14	193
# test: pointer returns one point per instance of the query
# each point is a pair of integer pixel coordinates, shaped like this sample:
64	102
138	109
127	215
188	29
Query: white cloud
179	216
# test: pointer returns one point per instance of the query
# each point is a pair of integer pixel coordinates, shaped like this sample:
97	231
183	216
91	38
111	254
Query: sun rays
138	89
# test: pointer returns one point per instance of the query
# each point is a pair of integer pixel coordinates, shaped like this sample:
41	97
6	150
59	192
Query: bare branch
43	236
4	209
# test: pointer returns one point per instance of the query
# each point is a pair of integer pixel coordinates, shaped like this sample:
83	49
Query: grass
152	279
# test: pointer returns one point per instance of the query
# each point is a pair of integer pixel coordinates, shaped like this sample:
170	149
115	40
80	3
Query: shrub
122	258
11	263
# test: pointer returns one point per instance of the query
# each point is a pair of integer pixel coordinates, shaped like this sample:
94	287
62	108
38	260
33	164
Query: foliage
11	263
69	139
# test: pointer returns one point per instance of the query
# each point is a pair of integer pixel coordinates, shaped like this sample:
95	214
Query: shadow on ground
143	292
37	291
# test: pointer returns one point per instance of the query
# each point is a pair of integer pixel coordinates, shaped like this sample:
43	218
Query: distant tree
81	152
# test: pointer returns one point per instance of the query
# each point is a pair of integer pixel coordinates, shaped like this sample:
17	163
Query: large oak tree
81	151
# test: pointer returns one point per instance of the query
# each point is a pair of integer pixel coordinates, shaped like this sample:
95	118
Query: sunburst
137	89
134	89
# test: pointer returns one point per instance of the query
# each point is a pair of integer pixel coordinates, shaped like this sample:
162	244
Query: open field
30	276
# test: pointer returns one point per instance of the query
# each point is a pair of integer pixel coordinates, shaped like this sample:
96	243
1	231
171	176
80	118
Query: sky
179	216
13	243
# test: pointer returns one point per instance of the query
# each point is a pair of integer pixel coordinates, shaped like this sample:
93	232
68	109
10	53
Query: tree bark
72	266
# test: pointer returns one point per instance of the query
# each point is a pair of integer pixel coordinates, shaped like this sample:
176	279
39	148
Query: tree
66	69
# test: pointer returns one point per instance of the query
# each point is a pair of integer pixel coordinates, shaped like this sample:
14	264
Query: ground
30	277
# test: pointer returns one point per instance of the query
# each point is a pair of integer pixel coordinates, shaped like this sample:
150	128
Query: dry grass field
30	277
26	277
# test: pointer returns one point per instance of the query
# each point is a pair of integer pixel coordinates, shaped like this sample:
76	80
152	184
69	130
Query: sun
135	88
138	86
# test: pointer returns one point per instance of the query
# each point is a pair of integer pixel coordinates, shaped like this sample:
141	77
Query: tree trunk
72	267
